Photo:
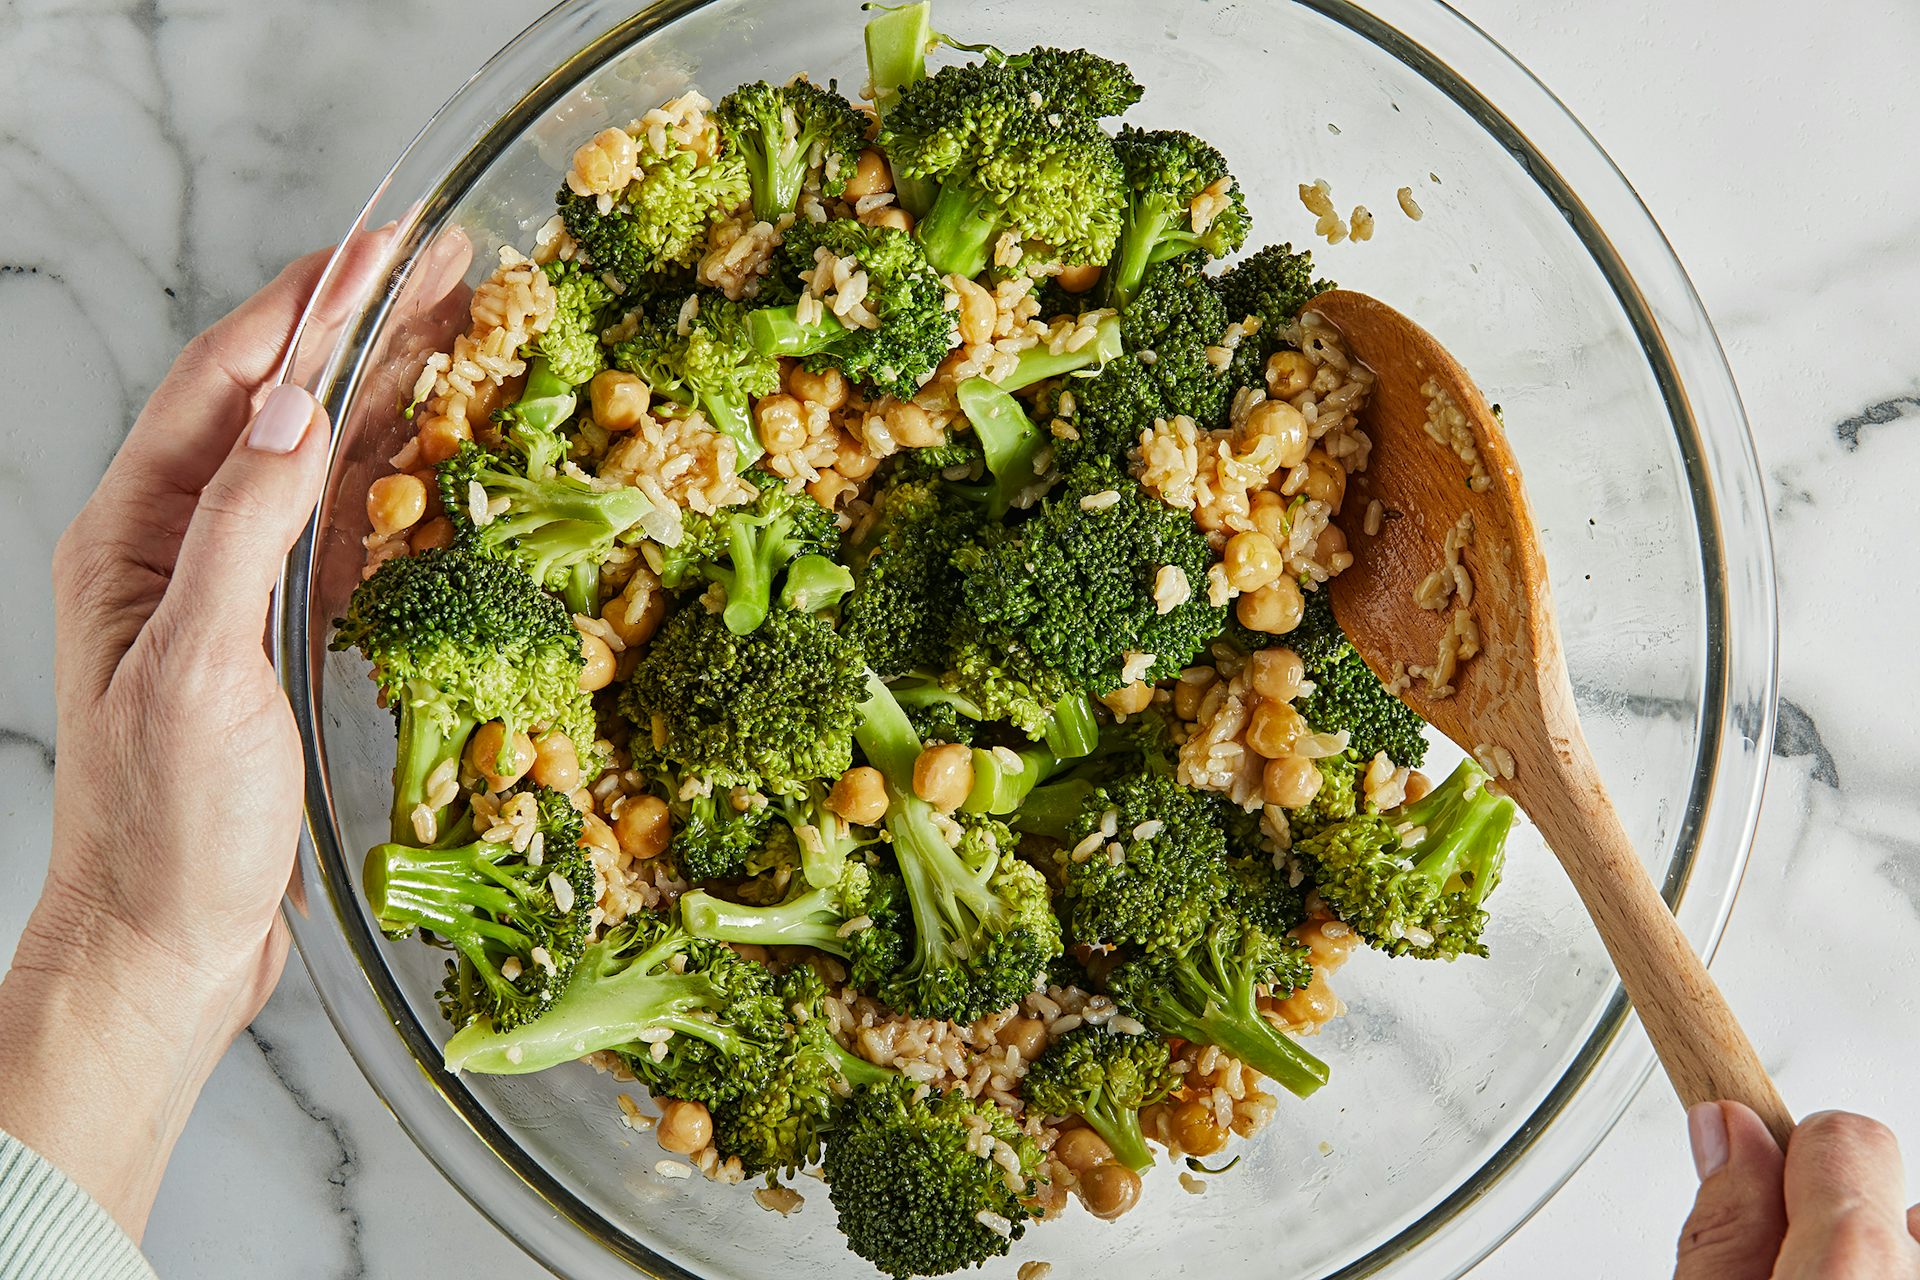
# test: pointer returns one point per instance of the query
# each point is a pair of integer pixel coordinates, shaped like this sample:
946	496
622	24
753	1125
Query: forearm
103	1048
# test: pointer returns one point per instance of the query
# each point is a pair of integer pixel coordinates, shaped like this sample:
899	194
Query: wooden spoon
1512	700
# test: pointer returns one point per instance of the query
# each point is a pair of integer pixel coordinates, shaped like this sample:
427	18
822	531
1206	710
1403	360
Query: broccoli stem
778	331
1256	1042
752	553
1142	244
1054	810
582	594
1007	437
813	583
808	920
1120	1126
854	1069
445	890
423	748
1467	827
958	232
897	42
533	423
1073	732
1036	364
999	790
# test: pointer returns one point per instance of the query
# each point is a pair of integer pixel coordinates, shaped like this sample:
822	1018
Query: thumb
247	518
1739	1216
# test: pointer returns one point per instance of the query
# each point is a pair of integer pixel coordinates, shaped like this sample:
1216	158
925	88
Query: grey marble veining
158	161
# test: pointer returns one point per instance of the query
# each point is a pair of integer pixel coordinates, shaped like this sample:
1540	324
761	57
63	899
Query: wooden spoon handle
1700	1042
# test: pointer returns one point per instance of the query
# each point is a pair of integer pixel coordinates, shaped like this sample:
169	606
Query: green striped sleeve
52	1230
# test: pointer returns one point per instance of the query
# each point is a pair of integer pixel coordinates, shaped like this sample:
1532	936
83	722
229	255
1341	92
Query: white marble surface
158	160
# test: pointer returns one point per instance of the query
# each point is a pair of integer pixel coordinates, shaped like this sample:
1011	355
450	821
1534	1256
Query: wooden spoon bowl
1440	469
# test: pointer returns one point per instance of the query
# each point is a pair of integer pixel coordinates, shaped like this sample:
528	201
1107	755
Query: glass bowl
1463	1095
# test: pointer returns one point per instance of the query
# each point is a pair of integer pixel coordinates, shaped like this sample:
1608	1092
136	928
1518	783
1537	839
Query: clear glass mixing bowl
1463	1095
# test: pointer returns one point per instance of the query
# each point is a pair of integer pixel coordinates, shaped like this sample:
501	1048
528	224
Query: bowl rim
1736	712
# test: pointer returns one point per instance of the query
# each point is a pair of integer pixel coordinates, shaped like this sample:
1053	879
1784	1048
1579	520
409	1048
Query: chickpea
581	799
1270	516
643	828
1288	374
1280	422
783	424
1290	782
486	750
860	796
1312	1005
597	674
556	762
636	613
437	532
685	1127
1252	561
912	426
1418	784
1274	729
870	176
597	834
1155	1122
430	481
1329	946
887	215
440	438
850	457
603	163
943	775
827	388
1326	479
829	488
1189	694
1129	699
1332	543
1277	674
1109	1190
977	312
1274	609
619	399
488	396
1079	277
1028	1035
1082	1149
1194	1129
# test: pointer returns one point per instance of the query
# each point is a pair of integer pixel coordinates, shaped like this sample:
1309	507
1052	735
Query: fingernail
1707	1132
282	420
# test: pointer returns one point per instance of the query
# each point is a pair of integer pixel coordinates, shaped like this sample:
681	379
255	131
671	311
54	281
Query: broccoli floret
1208	992
1163	887
1337	799
1418	894
458	639
1105	1078
904	294
724	1012
493	905
1165	171
905	590
1072	80
699	356
553	527
773	709
1318	639
959	453
565	355
1176	315
1348	697
744	547
1003	165
1004	679
1256	888
817	918
782	133
711	839
659	221
1076	585
1108	412
910	1182
983	926
1273	284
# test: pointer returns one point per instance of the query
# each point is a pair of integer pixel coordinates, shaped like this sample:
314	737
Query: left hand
179	776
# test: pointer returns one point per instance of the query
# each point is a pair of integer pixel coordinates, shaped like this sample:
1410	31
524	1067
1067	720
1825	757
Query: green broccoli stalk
519	921
772	710
1105	1078
697	354
815	584
1166	170
1003	164
914	329
658	223
1037	364
1207	994
1011	443
913	1187
1412	881
783	133
983	929
559	528
859	918
897	40
999	788
458	639
743	548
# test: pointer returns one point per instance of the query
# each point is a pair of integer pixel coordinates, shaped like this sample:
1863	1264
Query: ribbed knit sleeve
52	1230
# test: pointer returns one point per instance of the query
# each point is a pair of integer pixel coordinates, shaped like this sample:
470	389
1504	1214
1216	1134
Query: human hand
177	789
1832	1208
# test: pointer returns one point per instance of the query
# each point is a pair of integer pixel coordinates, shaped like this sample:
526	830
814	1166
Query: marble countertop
158	161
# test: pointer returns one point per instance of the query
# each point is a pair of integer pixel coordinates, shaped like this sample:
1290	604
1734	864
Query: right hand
1833	1207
